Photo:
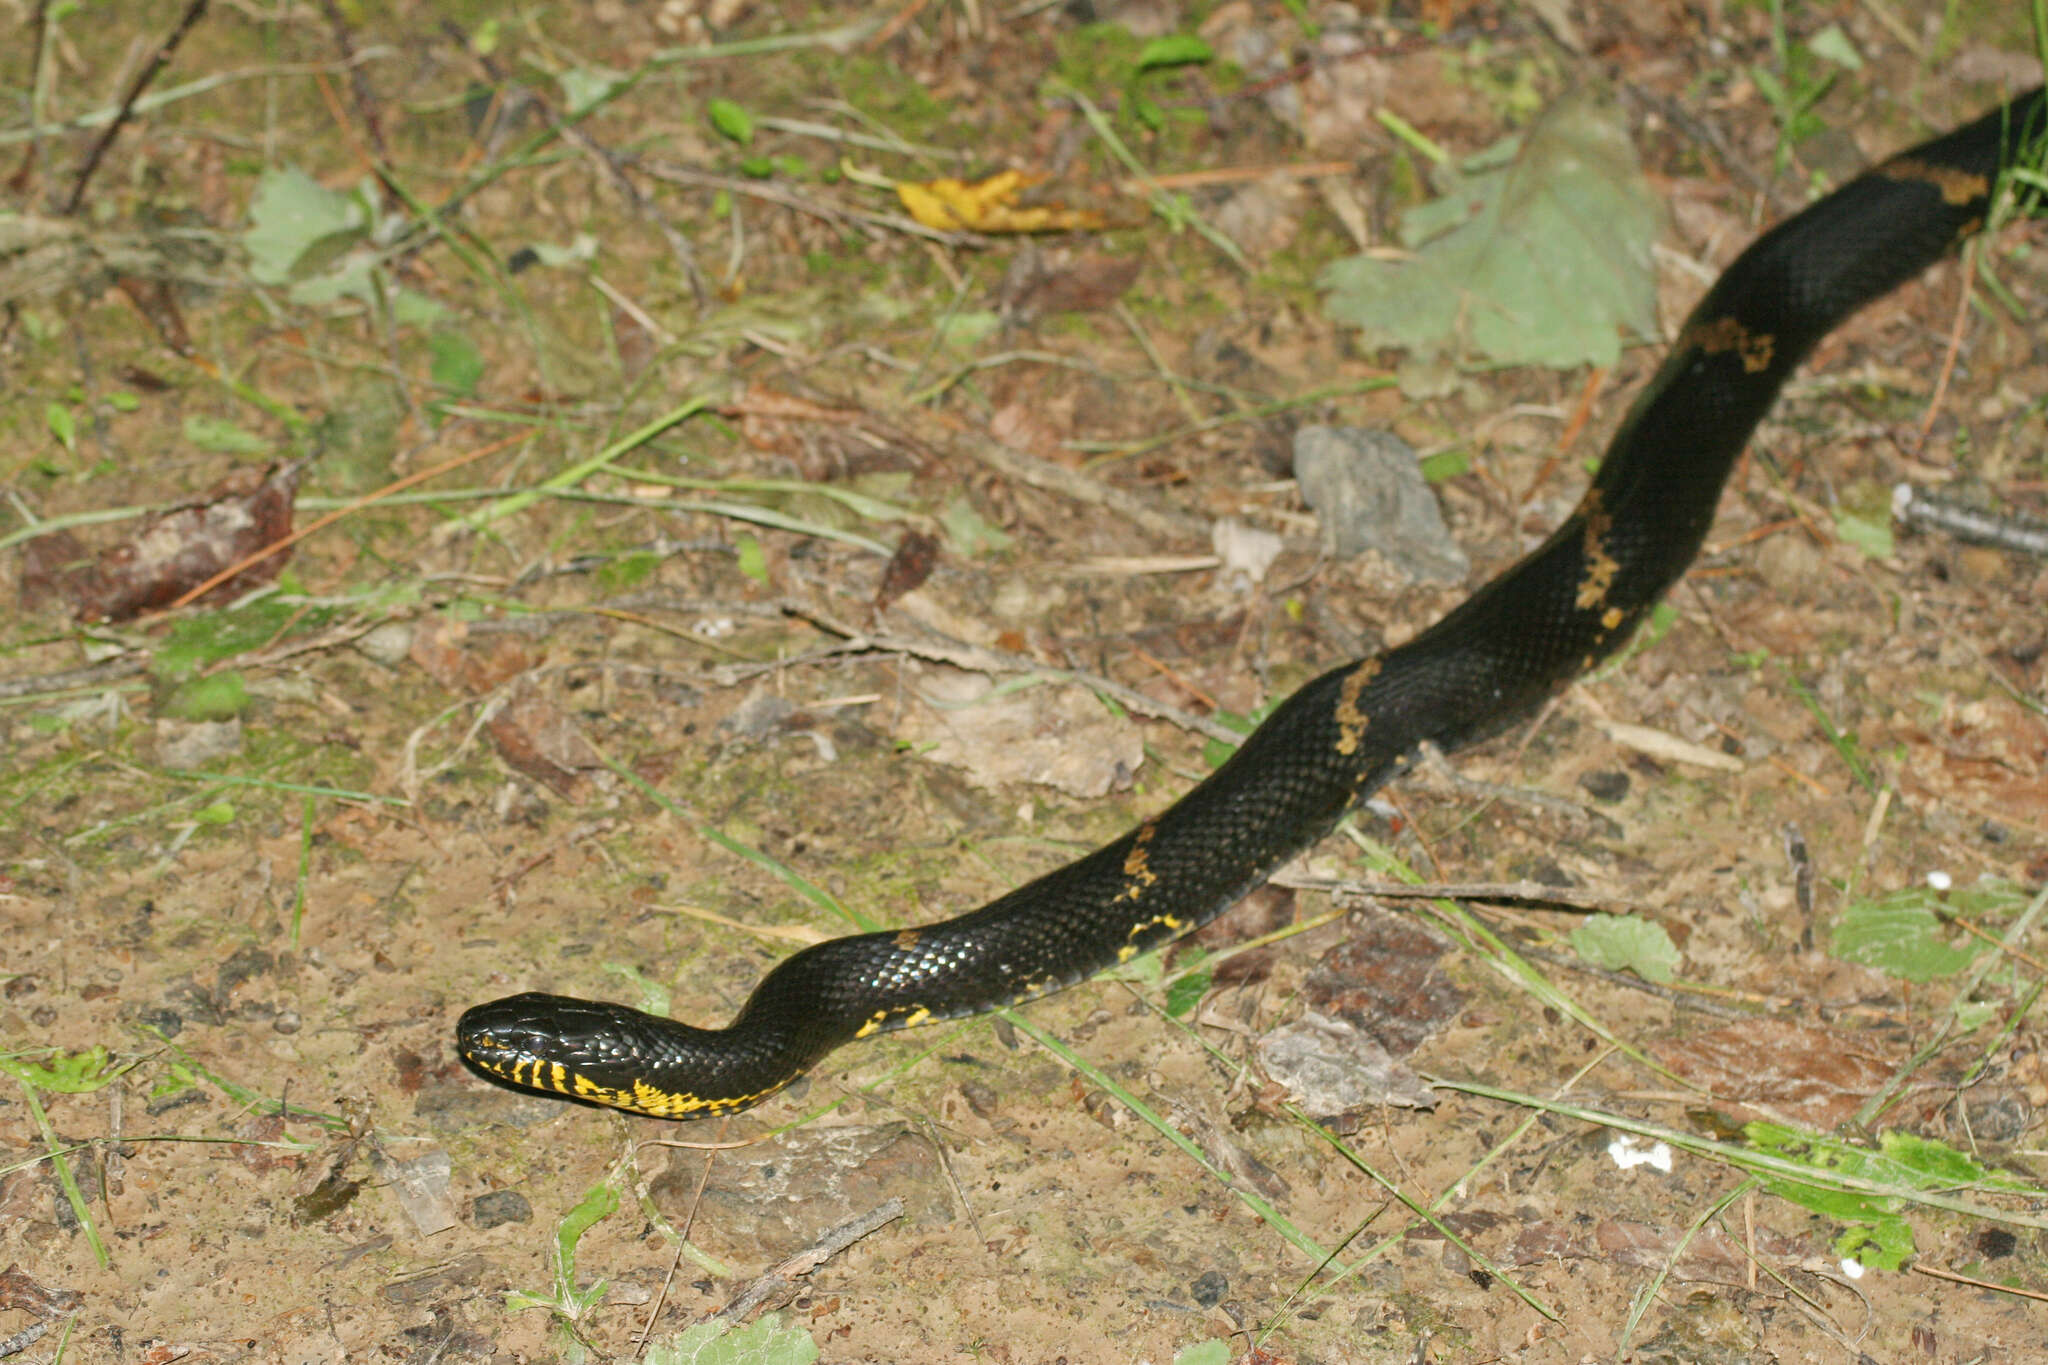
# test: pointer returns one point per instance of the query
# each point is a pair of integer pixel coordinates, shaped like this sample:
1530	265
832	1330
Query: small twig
1995	940
1801	860
1517	893
1436	765
1955	340
810	1258
1239	175
22	1340
1925	1269
983	660
93	675
358	84
193	13
895	25
1629	981
1144	513
931	1135
39	27
1924	510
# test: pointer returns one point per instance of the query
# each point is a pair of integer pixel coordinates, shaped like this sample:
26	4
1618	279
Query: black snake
1555	613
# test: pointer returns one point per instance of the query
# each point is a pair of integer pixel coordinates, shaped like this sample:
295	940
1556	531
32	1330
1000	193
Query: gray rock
1367	489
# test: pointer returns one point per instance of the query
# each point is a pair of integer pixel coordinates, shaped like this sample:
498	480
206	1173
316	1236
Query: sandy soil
270	922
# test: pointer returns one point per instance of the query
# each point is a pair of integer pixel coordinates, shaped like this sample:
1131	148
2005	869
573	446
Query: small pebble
388	644
1607	785
499	1207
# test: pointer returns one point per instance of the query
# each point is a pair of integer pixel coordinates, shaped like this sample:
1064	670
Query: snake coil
1559	610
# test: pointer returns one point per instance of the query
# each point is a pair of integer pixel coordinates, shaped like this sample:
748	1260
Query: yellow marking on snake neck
535	1073
1729	334
1611	619
1351	721
905	939
1601	566
1957	187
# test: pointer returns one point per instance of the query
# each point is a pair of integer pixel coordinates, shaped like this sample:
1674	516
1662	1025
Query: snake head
590	1050
580	1048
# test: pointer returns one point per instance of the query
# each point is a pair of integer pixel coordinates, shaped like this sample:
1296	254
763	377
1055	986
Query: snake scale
1564	606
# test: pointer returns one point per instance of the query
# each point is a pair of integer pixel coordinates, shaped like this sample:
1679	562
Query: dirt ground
712	547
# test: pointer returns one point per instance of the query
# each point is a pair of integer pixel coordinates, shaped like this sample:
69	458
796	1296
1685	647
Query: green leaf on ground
291	214
1542	260
458	366
567	1300
1868	534
753	560
1906	933
218	696
629	570
969	533
1627	943
196	641
63	424
731	121
764	1341
1187	992
219	434
1831	44
1877	1233
1175	49
65	1073
583	86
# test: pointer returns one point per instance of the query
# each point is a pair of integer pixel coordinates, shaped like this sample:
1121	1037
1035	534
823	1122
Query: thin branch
782	1278
358	84
40	27
193	13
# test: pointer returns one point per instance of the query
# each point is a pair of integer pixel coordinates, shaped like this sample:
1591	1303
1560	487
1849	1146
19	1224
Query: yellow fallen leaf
990	205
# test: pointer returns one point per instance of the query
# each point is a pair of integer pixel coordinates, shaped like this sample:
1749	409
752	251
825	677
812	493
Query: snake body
1559	610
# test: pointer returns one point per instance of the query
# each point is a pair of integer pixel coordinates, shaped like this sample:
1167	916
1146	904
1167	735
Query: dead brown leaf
459	663
539	739
916	555
1383	979
169	554
1796	1071
1042	282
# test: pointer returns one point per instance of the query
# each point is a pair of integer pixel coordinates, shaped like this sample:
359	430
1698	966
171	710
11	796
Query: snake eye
502	1029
